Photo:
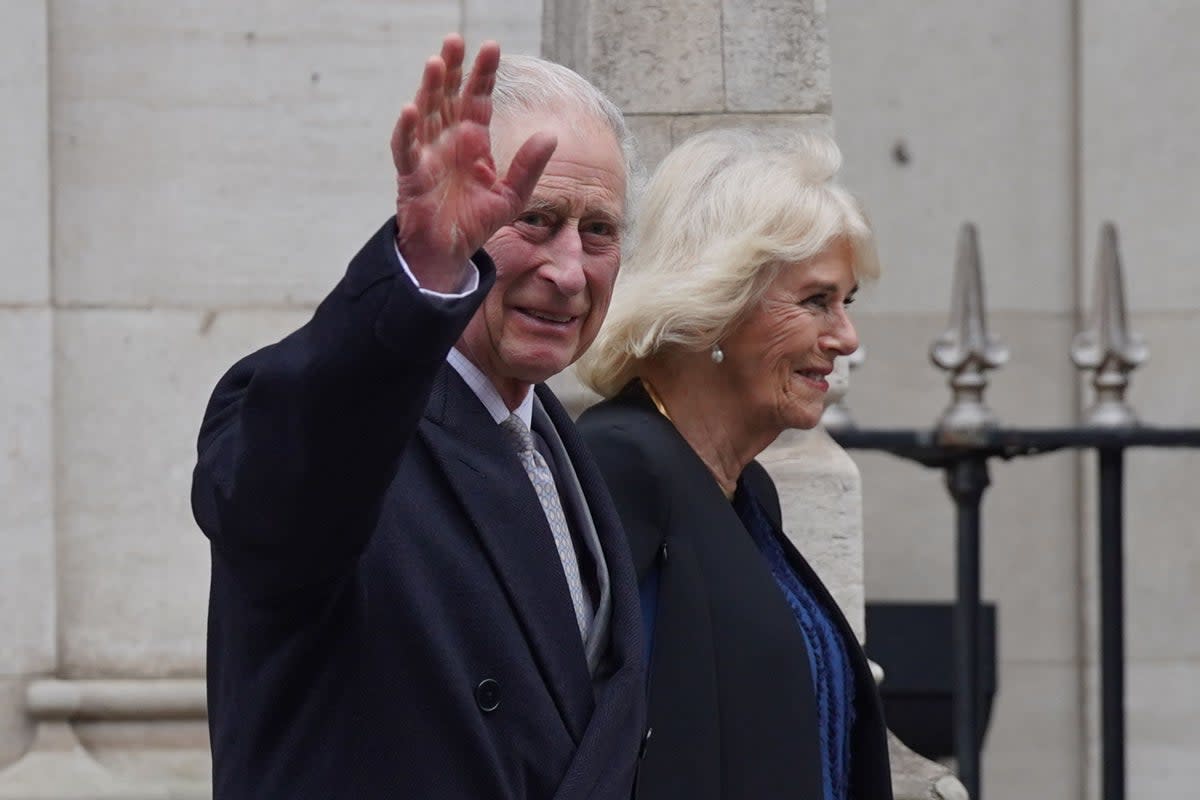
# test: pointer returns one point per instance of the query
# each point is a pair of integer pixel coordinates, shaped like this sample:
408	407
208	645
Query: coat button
645	742
487	695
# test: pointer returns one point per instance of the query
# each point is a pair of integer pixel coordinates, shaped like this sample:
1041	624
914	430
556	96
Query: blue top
833	678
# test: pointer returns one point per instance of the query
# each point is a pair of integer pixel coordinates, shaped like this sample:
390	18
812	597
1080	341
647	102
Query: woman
729	311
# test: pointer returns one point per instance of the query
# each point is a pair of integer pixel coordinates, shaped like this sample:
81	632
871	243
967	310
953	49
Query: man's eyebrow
541	204
617	220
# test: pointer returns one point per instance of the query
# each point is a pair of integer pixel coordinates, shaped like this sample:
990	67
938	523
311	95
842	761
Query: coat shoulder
629	447
625	438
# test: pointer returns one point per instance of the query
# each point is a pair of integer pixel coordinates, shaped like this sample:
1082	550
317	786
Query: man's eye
600	229
849	301
537	219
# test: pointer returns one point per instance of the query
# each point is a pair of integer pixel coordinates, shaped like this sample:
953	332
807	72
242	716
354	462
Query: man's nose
565	266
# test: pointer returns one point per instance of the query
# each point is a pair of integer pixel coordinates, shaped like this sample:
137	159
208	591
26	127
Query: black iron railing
968	437
965	462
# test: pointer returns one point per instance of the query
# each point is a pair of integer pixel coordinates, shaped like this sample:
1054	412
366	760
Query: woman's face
779	358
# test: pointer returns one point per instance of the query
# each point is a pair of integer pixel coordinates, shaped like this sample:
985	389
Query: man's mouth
544	316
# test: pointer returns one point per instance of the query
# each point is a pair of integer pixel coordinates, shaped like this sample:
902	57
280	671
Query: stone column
678	67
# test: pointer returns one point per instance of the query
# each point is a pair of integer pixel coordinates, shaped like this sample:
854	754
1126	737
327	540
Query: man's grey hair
527	84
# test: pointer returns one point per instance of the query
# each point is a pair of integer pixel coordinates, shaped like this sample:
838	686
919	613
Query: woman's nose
842	338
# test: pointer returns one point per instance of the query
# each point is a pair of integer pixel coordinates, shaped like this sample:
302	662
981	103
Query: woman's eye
817	301
825	302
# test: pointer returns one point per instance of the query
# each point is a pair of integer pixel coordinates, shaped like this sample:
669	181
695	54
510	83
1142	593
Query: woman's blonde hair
722	214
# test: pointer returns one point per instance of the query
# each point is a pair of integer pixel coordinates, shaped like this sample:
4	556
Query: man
413	596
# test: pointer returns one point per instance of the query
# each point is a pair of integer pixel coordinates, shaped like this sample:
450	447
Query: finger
527	165
405	149
452	105
429	80
453	52
476	108
477	93
429	98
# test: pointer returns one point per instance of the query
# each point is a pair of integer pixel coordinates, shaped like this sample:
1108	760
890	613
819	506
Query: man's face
556	263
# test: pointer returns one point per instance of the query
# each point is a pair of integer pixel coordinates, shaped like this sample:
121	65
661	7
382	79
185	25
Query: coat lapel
604	763
626	621
511	527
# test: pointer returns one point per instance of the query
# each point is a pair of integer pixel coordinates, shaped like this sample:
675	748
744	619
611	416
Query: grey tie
543	483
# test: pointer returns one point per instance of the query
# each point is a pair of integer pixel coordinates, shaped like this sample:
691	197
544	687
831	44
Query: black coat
388	614
731	699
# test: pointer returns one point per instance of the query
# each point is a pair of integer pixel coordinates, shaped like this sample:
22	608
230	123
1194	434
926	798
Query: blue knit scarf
833	678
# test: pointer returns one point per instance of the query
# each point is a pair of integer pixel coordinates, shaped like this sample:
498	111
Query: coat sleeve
300	440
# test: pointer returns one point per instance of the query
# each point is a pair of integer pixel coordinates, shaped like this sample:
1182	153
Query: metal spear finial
1106	344
836	415
965	349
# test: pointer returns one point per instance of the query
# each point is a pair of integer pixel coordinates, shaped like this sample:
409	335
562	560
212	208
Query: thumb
527	165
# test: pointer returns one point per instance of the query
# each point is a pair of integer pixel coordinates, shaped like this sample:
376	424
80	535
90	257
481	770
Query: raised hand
449	197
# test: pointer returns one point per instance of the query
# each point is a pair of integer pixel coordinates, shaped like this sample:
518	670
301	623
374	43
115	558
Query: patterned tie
543	483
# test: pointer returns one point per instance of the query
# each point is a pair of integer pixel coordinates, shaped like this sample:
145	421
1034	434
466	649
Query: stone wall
1140	167
27	558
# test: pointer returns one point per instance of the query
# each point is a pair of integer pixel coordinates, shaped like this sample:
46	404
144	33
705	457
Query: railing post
1106	345
966	479
1112	623
965	349
1108	348
967	352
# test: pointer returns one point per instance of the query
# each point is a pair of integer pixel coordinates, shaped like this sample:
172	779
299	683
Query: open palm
449	198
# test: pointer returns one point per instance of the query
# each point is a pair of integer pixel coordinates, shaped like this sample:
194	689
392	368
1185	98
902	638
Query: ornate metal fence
968	437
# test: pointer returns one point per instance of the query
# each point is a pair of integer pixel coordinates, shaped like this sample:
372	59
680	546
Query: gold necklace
662	409
658	403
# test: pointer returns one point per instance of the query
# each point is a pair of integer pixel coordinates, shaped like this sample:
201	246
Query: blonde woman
730	309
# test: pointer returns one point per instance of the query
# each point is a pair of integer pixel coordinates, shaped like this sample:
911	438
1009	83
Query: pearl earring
718	355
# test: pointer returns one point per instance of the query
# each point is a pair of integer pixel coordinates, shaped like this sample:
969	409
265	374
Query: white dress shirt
483	388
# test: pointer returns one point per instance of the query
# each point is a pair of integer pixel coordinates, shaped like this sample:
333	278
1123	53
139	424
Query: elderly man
419	584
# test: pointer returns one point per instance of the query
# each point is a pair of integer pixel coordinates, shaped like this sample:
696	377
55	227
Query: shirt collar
486	391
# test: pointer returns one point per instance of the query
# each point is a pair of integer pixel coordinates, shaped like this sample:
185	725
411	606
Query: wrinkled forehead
587	163
566	120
